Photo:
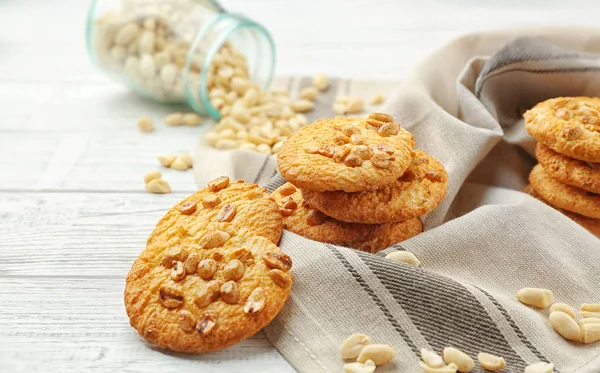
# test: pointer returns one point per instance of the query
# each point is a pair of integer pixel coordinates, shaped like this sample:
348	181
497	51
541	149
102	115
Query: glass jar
179	50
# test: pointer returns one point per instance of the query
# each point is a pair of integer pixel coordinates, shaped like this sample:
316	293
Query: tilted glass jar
178	50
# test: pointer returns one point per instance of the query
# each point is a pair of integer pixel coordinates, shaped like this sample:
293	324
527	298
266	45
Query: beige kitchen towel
486	241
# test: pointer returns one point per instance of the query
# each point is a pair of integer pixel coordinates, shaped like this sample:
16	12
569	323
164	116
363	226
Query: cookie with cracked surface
236	207
591	224
199	298
564	196
418	191
299	218
571	171
567	125
349	154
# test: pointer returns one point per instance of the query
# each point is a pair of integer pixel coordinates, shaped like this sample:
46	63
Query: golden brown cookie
420	190
591	224
567	125
564	196
349	154
243	208
570	171
206	294
299	218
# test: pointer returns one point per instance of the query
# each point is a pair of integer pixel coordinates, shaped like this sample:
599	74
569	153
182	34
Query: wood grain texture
73	211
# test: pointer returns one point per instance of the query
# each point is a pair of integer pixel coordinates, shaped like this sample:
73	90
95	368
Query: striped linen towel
483	243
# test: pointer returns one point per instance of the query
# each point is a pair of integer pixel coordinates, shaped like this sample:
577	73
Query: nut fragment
353	345
302	106
456	356
152	175
206	323
278	259
311	149
286	212
174	119
591	307
565	325
350	130
287	190
191	263
320	82
256	301
433	176
353	160
432	359
207	293
358	139
229	292
187	208
340	139
170	297
179	164
234	270
281	278
380	354
289	203
540	368
356	367
590	332
340	152
562	307
213	239
244	255
218	183
381	160
227	213
207	268
191	119
326	150
144	124
382	117
210	201
186	321
315	217
388	129
178	271
540	298
491	362
450	368
166	159
572	133
173	255
362	151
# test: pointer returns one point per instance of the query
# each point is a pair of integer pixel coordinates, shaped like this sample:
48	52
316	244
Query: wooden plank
80	325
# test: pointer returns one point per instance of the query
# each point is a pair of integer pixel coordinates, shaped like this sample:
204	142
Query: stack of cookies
568	151
357	182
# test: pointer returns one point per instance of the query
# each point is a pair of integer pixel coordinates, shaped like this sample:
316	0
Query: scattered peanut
309	93
590	307
565	325
354	105
213	239
179	164
536	297
463	361
174	119
356	367
491	362
563	308
404	257
380	354
376	100
186	158
191	119
586	314
166	159
450	368
353	345
590	320
590	332
302	106
152	175
432	359
158	186
145	124
540	368
218	183
320	82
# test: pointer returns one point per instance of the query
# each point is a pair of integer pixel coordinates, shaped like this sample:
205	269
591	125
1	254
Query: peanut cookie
567	125
564	196
420	190
570	171
237	207
208	295
591	224
299	218
349	154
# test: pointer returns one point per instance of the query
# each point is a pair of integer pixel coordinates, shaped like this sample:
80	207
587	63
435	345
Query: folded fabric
480	246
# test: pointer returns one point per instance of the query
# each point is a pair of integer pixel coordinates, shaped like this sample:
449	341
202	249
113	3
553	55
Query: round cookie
564	196
591	224
196	297
420	190
570	171
349	154
299	218
243	208
567	125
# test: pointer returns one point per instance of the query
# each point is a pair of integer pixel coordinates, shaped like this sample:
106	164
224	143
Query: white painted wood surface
73	213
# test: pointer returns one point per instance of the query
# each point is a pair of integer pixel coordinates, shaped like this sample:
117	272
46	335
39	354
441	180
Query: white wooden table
73	211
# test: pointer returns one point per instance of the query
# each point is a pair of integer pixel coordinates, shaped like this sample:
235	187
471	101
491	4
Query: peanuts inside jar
179	51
